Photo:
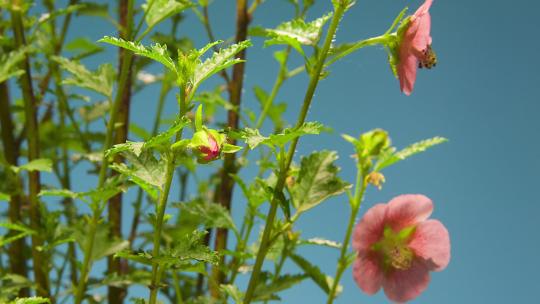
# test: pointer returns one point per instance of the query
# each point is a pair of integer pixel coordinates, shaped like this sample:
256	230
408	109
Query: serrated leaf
100	81
104	245
131	146
155	52
59	192
312	271
158	10
219	61
145	170
297	33
390	158
211	215
39	164
9	64
317	180
164	137
265	292
289	134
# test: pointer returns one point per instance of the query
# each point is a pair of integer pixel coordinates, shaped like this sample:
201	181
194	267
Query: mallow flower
206	145
397	246
414	47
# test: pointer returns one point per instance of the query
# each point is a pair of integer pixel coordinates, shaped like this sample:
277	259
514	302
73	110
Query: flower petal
407	210
422	36
370	228
406	70
404	285
431	242
367	273
423	9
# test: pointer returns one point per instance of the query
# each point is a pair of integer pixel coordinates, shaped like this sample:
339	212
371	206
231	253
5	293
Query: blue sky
483	96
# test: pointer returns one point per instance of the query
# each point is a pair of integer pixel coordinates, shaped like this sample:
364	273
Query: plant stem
97	210
314	80
40	262
16	250
355	206
162	205
117	266
229	167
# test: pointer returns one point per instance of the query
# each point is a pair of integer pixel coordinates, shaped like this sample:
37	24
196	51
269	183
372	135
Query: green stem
162	205
97	210
383	39
342	261
314	80
177	287
40	261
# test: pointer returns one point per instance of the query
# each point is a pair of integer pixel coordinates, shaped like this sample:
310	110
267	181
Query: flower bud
206	145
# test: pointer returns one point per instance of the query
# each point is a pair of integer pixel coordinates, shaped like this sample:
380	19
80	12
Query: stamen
429	59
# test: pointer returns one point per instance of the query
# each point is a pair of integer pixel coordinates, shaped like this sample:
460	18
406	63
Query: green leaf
129	146
265	292
211	215
100	81
317	180
252	137
21	229
320	242
9	64
104	245
390	157
155	52
4	196
228	148
39	164
312	271
32	300
158	10
291	133
59	192
219	61
297	33
164	137
275	111
233	292
82	47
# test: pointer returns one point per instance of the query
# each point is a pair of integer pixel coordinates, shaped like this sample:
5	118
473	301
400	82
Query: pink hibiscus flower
398	246
415	48
211	151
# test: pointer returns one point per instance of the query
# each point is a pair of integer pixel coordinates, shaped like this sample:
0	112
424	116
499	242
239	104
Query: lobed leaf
100	81
158	10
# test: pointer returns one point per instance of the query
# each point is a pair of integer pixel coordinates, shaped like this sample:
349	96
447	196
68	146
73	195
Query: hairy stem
227	183
314	80
97	210
17	261
32	134
117	266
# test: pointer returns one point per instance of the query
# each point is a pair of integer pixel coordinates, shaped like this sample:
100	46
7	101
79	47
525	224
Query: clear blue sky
483	96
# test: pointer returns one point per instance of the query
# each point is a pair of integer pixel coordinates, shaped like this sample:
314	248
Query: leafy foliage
100	81
210	215
391	157
158	10
9	62
22	231
317	180
265	292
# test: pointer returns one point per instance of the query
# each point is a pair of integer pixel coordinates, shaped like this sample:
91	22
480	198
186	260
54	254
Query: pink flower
415	48
210	151
398	246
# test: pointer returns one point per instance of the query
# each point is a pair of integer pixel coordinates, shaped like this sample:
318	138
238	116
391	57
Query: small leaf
32	300
211	215
228	148
289	134
100	81
297	33
133	147
40	164
59	192
252	137
219	61
155	52
158	10
266	292
23	231
391	158
233	292
312	271
164	137
9	64
198	119
317	180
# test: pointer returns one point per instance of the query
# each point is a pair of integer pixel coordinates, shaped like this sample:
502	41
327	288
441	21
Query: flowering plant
61	221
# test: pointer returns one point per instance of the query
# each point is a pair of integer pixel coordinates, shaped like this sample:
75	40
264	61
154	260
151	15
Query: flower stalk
314	80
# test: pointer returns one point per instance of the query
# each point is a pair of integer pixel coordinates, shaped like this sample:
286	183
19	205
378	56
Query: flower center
428	59
394	250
